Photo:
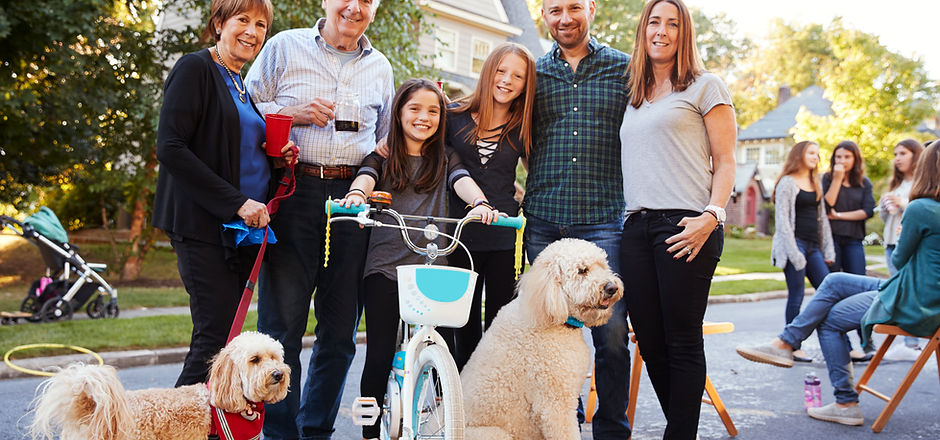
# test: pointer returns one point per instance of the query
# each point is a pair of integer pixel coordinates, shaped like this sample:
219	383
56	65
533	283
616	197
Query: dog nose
610	289
277	375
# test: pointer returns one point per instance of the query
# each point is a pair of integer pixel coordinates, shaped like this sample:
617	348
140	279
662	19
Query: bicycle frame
426	334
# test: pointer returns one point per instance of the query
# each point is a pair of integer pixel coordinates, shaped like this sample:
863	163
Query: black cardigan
198	146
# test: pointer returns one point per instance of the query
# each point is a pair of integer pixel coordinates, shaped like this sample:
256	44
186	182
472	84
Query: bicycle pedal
365	411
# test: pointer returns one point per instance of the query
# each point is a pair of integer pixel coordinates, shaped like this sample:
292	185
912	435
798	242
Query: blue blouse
254	173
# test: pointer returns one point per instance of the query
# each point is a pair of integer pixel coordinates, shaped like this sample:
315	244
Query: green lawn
128	297
745	255
747	286
112	334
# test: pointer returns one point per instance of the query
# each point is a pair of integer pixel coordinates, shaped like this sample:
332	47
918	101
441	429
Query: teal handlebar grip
336	208
510	222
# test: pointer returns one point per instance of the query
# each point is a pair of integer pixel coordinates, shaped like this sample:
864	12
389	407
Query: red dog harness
245	425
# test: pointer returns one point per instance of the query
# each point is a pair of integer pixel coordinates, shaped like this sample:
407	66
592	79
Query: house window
752	155
481	49
446	49
773	156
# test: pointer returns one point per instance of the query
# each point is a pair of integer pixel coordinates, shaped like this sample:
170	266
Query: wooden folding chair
713	399
891	331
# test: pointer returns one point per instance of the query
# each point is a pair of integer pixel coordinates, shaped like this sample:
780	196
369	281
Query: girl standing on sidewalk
895	201
850	202
491	130
802	242
418	173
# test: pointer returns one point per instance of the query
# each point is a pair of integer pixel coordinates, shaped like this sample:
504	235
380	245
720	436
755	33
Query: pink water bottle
812	391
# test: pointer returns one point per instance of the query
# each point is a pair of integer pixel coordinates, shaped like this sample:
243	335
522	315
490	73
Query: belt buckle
321	171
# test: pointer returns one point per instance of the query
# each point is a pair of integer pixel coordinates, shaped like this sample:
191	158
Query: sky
908	27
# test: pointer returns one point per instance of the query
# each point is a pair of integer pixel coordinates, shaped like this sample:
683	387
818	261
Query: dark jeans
215	289
850	255
666	299
497	273
815	270
380	298
611	357
292	270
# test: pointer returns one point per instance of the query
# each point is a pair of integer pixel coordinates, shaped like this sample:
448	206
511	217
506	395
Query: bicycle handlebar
431	252
508	222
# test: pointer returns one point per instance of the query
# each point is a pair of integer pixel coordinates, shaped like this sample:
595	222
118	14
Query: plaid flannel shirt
574	167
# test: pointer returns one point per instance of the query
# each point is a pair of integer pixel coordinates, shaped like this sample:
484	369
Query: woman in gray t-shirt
677	138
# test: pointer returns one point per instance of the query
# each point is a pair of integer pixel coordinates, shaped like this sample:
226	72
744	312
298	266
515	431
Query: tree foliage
878	97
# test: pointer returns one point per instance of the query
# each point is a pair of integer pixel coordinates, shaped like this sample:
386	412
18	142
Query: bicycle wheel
437	412
391	410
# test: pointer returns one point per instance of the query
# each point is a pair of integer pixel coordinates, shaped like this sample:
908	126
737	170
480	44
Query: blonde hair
687	67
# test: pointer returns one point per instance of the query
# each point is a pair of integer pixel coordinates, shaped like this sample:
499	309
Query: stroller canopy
46	223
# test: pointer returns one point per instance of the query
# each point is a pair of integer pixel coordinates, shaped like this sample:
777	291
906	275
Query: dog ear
225	384
540	288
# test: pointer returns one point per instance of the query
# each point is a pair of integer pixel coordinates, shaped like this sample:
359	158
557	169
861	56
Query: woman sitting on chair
844	302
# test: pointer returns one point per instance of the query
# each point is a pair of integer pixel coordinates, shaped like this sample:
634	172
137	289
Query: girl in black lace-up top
490	130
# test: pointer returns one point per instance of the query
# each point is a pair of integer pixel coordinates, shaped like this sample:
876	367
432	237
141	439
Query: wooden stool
708	328
892	331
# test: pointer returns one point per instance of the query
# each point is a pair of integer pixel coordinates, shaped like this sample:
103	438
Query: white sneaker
901	352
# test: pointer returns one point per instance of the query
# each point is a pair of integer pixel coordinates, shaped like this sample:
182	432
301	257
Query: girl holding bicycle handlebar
418	173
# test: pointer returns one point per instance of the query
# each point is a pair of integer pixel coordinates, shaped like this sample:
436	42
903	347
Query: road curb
117	359
140	358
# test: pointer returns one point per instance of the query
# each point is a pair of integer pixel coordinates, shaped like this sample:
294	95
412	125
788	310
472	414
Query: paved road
765	402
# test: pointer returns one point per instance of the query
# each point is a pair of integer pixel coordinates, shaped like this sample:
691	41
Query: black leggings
497	273
380	298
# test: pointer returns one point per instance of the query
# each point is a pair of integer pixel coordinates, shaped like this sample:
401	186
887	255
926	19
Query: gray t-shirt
665	153
387	249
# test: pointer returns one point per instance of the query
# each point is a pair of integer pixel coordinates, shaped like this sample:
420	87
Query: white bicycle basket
435	295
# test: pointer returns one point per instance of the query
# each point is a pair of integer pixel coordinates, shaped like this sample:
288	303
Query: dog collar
574	322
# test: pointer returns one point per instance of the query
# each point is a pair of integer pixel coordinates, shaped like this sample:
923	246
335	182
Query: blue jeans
666	298
292	270
815	269
850	255
612	357
837	308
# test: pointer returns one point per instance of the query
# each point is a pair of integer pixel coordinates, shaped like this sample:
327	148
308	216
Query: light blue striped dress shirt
295	66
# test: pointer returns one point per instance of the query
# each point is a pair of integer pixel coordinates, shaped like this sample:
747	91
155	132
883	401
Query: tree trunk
141	235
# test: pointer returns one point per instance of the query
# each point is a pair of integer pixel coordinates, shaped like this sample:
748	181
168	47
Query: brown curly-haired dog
89	402
523	380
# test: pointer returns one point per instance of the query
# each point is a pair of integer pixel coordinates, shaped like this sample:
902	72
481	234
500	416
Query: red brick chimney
783	95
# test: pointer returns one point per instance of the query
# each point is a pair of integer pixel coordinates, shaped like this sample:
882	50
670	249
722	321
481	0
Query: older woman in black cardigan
213	169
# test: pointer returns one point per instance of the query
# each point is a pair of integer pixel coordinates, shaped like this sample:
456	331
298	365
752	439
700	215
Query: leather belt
328	172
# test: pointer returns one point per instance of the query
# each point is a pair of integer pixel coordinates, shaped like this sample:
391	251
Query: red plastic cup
277	129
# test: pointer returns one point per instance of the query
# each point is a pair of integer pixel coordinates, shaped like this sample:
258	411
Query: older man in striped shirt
309	74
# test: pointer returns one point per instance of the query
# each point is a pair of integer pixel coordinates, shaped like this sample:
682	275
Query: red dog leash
285	189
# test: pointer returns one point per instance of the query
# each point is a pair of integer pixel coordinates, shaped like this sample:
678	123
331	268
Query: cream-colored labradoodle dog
89	402
523	380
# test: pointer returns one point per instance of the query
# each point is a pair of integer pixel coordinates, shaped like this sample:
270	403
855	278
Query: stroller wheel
30	304
56	309
95	308
111	310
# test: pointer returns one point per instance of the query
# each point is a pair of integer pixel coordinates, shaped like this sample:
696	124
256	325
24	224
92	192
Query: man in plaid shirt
574	188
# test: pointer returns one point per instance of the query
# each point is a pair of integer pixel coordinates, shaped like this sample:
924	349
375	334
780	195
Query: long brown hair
927	175
222	10
433	165
857	172
688	64
898	176
796	162
481	101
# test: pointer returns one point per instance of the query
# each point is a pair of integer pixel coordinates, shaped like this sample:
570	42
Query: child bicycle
423	398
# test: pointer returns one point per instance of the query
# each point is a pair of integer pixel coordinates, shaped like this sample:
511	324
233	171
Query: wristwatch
719	213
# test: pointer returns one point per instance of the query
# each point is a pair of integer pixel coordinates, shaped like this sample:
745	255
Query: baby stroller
70	282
